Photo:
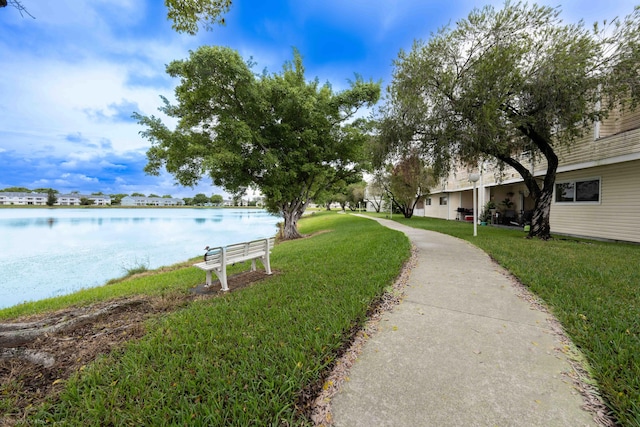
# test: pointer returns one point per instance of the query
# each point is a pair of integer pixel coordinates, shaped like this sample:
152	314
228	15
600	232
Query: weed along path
467	345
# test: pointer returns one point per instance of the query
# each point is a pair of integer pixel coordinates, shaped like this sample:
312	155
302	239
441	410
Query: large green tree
355	195
51	197
200	199
217	199
406	183
279	133
506	81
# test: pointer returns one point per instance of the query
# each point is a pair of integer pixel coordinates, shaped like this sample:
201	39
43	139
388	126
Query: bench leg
222	275
253	265
208	279
266	263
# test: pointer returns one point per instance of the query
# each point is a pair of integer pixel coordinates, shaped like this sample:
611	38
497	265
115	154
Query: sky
71	78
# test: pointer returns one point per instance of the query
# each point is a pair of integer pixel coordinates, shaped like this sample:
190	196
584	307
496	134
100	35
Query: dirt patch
37	353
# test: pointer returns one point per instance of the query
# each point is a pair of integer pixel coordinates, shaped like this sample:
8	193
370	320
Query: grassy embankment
246	357
592	287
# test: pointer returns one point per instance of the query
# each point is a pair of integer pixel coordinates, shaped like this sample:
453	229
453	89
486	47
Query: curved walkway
461	349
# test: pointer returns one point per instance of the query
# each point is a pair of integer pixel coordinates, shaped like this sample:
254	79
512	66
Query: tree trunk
291	217
540	225
377	204
405	209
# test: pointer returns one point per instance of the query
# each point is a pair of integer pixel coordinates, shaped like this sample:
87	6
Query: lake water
52	252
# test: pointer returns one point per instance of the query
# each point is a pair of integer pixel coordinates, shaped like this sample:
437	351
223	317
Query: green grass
177	279
247	357
592	287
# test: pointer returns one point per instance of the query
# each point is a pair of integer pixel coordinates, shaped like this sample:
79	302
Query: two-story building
597	188
75	199
40	199
16	198
150	201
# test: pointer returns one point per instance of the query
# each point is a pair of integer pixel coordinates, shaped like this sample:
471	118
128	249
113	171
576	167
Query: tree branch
18	5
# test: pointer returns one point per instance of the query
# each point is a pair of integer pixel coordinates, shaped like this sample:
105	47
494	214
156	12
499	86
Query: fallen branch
14	334
41	358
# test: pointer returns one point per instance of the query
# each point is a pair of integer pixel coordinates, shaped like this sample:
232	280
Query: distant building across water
40	199
150	201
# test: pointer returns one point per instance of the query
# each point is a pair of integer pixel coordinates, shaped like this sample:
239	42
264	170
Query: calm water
51	252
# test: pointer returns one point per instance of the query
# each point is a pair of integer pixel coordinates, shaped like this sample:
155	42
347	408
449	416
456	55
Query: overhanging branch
18	5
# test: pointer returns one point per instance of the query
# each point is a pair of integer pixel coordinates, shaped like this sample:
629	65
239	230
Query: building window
443	200
428	201
587	190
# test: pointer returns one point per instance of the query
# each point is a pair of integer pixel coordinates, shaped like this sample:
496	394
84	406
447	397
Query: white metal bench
217	259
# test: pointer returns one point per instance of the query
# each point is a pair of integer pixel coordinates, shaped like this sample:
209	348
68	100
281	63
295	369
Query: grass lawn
592	287
244	358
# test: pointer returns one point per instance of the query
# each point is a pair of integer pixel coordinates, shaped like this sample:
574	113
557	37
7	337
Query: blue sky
71	78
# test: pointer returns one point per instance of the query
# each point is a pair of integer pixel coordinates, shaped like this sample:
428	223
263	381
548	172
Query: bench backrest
213	256
248	250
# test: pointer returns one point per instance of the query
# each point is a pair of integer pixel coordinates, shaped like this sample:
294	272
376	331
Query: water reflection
20	223
99	221
43	222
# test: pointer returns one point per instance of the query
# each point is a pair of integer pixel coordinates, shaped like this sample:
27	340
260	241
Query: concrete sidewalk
461	349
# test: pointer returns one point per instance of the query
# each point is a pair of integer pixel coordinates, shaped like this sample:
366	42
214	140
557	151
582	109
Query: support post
474	177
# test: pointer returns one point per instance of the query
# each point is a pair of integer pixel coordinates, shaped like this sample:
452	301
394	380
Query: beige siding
581	151
611	125
616	217
617	122
588	150
622	144
631	121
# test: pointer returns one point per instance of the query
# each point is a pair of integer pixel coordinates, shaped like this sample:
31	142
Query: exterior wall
100	200
616	216
127	201
439	206
150	201
419	209
69	200
75	199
